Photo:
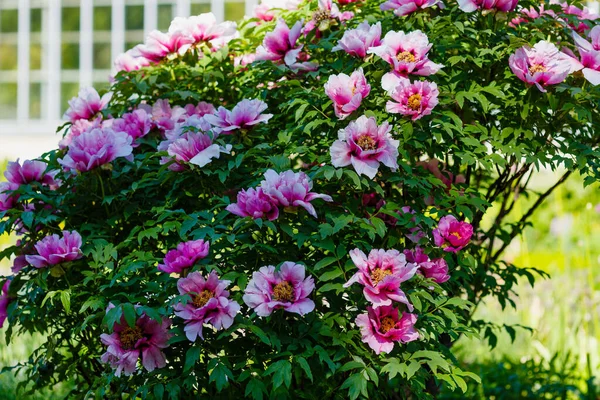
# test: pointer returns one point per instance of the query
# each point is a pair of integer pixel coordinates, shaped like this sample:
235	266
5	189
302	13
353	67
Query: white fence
50	37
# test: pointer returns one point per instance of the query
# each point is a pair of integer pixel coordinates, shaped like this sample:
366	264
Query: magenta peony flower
542	65
53	250
416	256
87	104
452	235
435	269
287	288
158	45
254	203
136	124
289	189
203	28
208	303
8	200
590	55
280	46
412	99
127	344
192	147
531	13
5	300
184	256
30	171
357	41
364	145
244	115
405	7
129	61
581	13
498	5
381	275
96	147
381	328
328	13
407	53
347	92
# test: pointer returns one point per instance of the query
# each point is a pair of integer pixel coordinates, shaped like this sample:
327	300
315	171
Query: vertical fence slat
182	8
150	16
217	7
23	43
249	7
86	43
117	33
53	44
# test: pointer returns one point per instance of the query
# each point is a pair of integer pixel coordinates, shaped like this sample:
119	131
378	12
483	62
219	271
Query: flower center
414	101
366	142
406	56
456	234
537	68
201	299
378	274
386	324
129	337
321	15
283	291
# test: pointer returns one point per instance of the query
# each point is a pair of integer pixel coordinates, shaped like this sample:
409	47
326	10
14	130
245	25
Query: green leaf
324	262
255	388
159	391
329	275
191	356
304	365
282	373
356	385
129	313
65	299
220	375
261	334
379	226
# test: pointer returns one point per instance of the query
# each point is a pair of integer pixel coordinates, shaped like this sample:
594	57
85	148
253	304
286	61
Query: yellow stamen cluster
129	337
537	68
386	324
283	291
414	101
378	274
366	142
201	299
406	56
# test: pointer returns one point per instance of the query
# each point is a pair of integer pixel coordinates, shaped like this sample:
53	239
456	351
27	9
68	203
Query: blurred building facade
51	48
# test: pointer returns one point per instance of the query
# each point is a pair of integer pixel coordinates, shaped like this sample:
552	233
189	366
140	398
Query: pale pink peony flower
200	110
542	65
381	275
79	127
244	115
127	344
5	300
407	53
130	61
364	145
30	171
498	5
244	60
164	118
291	189
452	235
254	203
87	104
158	45
381	327
136	124
8	200
264	12
287	288
530	14
327	14
357	41
405	7
590	55
53	250
414	100
281	46
184	256
208	303
581	13
204	28
191	148
347	92
95	148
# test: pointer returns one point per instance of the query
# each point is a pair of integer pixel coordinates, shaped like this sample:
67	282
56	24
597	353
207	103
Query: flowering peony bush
308	204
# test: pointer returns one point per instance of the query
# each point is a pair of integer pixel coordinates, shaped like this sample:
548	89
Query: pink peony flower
416	256
87	104
407	53
129	61
192	147
127	344
53	250
590	55
435	269
244	60
281	46
208	303
581	13
264	12
452	235
96	147
8	200
254	203
79	127
5	300
381	275
201	109
381	327
184	256
164	117
287	288
136	124
158	45
289	189
347	92
357	41
244	115
531	13
542	65
328	13
411	99
30	171
498	5
405	7
203	28
364	145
